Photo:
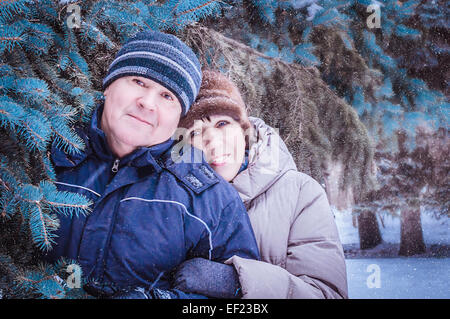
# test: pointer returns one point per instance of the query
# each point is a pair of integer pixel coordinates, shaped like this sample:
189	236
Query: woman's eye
221	123
194	133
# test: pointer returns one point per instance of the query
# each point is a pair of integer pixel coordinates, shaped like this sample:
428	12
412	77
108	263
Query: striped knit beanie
218	96
162	58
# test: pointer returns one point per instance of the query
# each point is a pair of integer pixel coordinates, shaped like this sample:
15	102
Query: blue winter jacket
149	214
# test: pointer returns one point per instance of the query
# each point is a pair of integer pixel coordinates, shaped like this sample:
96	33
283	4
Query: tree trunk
411	240
369	232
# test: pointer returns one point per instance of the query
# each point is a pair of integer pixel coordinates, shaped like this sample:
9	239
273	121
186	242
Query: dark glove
208	278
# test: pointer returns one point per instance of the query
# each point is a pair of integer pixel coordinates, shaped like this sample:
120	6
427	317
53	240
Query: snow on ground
395	278
379	273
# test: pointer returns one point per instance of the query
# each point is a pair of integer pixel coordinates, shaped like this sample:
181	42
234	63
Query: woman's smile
220	160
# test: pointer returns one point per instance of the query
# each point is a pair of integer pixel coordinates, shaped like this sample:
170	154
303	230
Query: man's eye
167	96
139	82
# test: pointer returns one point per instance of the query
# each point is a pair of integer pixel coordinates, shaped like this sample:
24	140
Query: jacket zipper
115	167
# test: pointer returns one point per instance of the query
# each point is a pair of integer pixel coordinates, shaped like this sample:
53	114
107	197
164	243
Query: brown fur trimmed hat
218	96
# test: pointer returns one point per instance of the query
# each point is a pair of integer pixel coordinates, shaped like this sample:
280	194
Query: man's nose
148	100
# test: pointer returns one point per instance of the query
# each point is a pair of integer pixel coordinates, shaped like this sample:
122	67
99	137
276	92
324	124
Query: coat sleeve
232	235
315	264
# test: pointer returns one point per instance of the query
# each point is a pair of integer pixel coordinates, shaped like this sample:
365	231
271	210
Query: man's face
138	112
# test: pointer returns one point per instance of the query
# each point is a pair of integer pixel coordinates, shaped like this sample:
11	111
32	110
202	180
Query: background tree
412	181
393	74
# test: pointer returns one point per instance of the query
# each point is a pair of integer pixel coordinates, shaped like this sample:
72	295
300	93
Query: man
149	213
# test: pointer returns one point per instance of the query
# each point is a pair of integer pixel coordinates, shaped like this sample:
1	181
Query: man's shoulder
198	177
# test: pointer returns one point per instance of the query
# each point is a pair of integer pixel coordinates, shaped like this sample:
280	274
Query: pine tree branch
12	39
33	133
3	214
45	278
49	277
175	7
76	67
5	184
55	204
236	44
44	233
65	139
196	8
42	32
91	19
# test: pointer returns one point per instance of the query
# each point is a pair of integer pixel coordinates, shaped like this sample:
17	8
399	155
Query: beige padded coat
301	254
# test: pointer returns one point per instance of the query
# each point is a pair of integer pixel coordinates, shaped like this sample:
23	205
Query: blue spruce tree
53	57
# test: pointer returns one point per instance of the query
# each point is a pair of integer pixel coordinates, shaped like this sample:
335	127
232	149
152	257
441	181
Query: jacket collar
268	160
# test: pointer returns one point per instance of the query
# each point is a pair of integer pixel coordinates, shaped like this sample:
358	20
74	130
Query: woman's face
222	140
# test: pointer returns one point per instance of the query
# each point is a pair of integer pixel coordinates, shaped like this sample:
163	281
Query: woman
301	254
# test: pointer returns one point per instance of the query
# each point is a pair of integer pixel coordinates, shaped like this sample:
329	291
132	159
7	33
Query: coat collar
268	160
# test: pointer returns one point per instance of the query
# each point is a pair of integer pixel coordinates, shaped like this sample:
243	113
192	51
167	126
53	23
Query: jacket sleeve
231	235
315	264
234	234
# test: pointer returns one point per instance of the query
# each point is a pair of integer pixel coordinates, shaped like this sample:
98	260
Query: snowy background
423	276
